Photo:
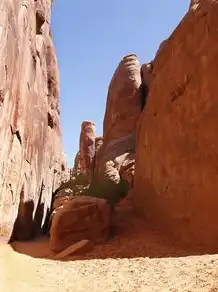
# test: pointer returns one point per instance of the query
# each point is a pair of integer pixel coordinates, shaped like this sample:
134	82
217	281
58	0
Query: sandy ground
136	258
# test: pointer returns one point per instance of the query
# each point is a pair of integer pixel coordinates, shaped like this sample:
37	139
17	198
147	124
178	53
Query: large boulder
31	157
175	182
78	219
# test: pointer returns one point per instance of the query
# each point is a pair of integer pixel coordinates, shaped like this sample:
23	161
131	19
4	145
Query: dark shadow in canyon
26	225
144	92
130	237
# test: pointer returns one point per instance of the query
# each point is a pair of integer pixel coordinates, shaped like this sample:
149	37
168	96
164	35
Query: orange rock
194	4
87	146
80	247
127	169
31	154
126	203
124	105
60	201
176	170
77	164
81	218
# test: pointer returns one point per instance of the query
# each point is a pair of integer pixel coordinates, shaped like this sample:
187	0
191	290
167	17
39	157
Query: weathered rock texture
86	153
31	158
77	219
123	101
80	247
122	113
87	146
127	169
98	143
175	182
146	74
194	4
77	164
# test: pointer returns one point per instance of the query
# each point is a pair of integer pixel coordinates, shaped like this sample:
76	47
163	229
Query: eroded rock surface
31	157
195	4
123	109
78	219
175	180
87	146
127	169
77	164
80	247
123	101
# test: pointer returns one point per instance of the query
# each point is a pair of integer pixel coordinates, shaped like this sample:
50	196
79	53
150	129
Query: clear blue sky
90	38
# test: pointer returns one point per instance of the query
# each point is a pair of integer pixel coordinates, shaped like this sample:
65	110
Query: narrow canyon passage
136	258
137	211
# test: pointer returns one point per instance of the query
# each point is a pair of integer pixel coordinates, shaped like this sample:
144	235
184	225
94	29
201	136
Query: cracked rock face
31	157
175	181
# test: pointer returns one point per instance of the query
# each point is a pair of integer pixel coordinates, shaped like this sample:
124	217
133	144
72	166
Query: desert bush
111	191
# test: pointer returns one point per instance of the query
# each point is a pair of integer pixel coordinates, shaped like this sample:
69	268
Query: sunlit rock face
31	157
123	109
175	183
195	3
87	146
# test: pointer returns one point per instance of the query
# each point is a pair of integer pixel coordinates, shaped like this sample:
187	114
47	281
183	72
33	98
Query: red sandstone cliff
176	155
122	113
31	158
87	146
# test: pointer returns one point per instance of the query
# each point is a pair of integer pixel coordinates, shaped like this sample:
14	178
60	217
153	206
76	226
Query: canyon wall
177	146
31	157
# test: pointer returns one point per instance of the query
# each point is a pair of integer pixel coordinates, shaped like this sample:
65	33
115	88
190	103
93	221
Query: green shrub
79	186
111	191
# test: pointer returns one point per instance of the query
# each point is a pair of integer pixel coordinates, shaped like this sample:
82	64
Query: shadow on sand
131	237
28	224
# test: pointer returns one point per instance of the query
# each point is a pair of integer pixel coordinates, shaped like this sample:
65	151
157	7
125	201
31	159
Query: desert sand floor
136	258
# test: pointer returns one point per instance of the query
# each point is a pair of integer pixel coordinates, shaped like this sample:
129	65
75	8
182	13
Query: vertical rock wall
177	146
31	157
